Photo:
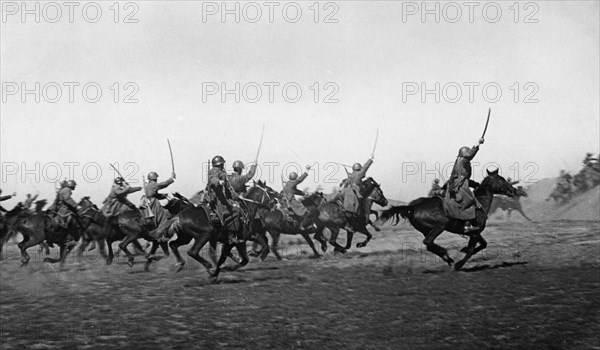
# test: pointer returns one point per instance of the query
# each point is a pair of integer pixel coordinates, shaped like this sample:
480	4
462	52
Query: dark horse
333	217
9	222
40	227
276	223
195	222
97	232
427	215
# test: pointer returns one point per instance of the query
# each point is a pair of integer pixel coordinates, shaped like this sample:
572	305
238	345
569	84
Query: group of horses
261	213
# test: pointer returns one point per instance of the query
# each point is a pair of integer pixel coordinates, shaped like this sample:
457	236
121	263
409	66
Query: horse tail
394	213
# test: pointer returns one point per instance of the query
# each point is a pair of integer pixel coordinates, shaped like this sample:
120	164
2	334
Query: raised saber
487	122
117	170
171	153
375	144
262	133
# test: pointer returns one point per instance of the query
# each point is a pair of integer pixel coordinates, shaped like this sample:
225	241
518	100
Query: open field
536	286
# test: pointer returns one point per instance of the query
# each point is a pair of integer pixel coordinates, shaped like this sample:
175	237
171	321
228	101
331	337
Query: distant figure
589	161
436	189
511	182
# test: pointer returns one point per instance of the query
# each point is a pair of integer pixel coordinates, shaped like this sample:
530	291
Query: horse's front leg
472	249
123	245
435	248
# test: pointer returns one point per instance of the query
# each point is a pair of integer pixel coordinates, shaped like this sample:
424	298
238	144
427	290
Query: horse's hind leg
241	248
349	238
275	244
435	248
524	215
471	250
333	240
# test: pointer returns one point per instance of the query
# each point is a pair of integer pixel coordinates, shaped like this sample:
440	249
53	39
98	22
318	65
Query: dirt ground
535	287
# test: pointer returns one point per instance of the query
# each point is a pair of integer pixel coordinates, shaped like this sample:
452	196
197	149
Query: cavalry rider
564	181
289	192
152	201
29	201
66	208
220	197
117	202
237	180
590	161
459	194
436	189
352	191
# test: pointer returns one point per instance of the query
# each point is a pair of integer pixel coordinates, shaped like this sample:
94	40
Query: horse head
262	194
372	190
497	184
520	192
39	205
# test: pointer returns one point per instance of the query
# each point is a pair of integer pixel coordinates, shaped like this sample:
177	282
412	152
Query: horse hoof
130	262
361	245
458	265
179	266
109	261
147	265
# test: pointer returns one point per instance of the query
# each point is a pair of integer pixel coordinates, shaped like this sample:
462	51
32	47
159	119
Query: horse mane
39	205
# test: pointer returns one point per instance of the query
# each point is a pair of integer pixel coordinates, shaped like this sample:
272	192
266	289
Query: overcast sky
373	58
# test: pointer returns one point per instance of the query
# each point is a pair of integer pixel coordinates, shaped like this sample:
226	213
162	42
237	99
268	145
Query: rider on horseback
237	180
117	201
65	208
152	201
459	197
289	192
353	189
220	197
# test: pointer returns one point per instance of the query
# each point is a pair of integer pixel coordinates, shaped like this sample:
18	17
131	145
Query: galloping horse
428	216
276	223
509	204
40	227
333	217
195	223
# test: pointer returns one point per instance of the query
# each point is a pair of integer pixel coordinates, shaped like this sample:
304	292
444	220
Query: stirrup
469	227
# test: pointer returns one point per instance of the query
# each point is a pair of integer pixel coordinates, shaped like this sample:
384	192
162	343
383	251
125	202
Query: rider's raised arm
165	183
363	171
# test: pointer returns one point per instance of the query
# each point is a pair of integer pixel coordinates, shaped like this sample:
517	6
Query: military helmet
119	180
463	151
293	175
217	160
357	167
437	181
238	164
508	179
152	175
71	184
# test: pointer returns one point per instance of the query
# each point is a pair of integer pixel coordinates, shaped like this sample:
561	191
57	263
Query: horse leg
275	244
524	215
101	248
311	244
138	247
111	254
435	248
241	248
194	252
333	240
174	245
349	238
320	238
85	241
472	249
224	254
264	243
123	245
26	243
364	243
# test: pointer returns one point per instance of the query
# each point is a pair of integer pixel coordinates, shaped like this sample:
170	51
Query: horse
427	215
195	223
509	204
8	223
97	230
276	222
40	227
333	217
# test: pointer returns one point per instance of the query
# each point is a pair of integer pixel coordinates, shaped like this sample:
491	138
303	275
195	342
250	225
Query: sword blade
117	170
262	133
171	153
487	122
375	144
